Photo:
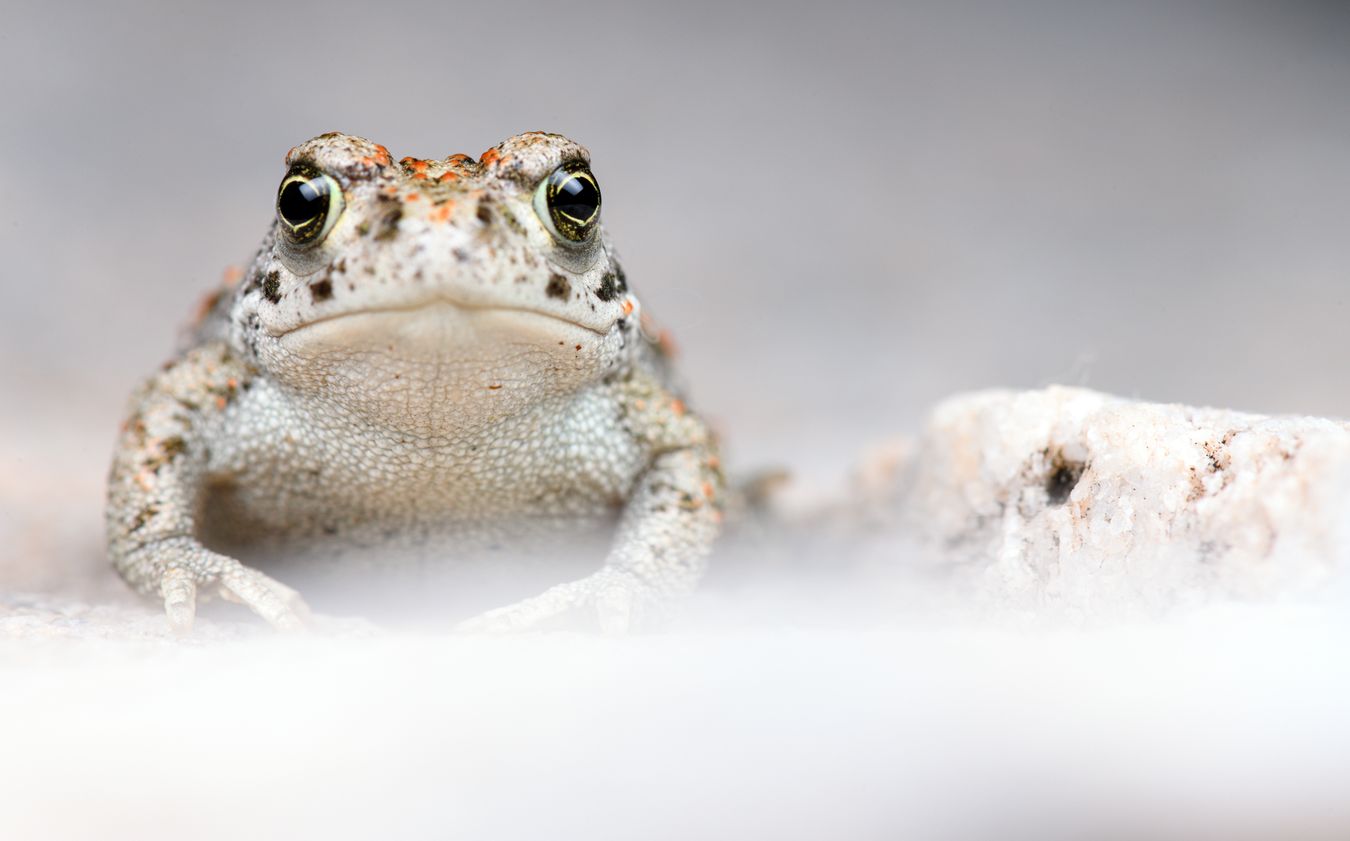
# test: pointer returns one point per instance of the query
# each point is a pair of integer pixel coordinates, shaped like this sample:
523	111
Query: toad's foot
619	600
281	606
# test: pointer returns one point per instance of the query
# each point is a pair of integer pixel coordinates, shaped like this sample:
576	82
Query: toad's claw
281	606
615	598
180	600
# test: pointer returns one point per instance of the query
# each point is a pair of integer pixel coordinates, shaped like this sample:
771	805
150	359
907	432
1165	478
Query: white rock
1071	498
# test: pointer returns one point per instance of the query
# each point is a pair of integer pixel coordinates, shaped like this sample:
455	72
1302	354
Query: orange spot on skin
666	342
205	305
708	490
221	403
442	211
489	157
677	406
449	176
232	384
382	155
627	306
412	197
419	176
458	158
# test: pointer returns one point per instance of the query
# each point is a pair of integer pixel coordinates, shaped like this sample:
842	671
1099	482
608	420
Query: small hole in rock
1063	478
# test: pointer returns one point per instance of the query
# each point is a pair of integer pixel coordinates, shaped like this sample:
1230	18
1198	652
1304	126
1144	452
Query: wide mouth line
431	302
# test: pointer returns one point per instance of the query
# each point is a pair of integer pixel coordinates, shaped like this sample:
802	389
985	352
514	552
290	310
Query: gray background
843	211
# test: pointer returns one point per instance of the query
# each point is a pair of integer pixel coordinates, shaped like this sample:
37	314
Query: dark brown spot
513	223
484	214
609	288
558	287
169	449
321	290
272	287
388	228
143	516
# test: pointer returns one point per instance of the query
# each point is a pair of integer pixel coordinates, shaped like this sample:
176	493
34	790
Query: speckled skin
438	369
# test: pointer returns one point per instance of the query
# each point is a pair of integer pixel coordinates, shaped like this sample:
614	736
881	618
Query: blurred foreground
1229	723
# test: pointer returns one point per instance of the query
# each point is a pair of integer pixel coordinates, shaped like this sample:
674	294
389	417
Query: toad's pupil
577	198
303	201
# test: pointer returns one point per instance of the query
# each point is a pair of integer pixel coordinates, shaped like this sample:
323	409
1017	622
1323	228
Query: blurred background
843	211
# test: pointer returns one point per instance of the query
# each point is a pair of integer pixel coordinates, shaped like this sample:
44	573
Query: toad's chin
439	362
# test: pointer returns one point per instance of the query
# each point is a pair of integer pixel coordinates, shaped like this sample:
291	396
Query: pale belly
352	512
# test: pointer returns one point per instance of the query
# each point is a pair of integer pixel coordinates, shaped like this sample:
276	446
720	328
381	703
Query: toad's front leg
665	534
155	490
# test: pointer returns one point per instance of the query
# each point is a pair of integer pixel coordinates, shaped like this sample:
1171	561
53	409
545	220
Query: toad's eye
308	203
568	201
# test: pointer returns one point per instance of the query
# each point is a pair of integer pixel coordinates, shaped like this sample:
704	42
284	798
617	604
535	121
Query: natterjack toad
441	351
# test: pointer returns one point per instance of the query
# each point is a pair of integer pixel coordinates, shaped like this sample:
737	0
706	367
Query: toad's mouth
452	316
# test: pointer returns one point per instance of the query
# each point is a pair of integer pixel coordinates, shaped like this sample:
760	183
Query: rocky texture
1071	498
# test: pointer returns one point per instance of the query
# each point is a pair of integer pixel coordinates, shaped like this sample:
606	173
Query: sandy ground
845	212
1229	723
